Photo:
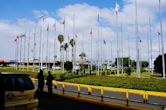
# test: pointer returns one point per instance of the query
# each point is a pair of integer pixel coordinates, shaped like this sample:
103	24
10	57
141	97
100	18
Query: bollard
63	88
78	90
89	90
127	98
101	93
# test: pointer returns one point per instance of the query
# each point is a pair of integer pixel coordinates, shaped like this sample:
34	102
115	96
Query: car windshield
17	83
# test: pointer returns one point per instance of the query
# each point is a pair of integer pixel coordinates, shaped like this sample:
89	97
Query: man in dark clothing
40	78
49	82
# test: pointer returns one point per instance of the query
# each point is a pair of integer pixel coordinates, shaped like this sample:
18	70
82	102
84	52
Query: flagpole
117	44
20	51
16	52
122	45
40	47
34	50
137	40
28	51
24	52
148	48
162	42
150	45
128	51
101	54
47	47
98	68
159	43
91	54
111	54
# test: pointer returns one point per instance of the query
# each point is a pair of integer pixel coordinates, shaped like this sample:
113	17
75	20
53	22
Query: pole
162	42
24	52
28	51
20	51
159	44
128	51
34	50
151	58
148	48
91	54
98	68
137	40
16	52
40	47
117	44
122	45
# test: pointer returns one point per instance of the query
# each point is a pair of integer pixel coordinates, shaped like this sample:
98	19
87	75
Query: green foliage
158	64
68	65
149	84
82	55
60	38
144	64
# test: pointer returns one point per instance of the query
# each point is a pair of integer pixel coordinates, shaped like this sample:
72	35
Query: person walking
40	78
49	82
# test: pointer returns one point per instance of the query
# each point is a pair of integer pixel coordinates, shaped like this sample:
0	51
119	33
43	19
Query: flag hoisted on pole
16	51
162	42
117	8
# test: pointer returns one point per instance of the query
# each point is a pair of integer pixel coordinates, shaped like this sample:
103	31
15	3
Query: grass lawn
149	84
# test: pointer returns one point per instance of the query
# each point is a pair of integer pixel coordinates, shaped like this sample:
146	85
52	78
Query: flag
76	36
98	17
63	22
104	41
159	33
54	26
90	33
140	41
48	28
15	40
117	8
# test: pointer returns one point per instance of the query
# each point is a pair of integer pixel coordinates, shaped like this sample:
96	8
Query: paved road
60	103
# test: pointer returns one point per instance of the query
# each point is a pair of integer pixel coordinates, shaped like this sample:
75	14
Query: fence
127	95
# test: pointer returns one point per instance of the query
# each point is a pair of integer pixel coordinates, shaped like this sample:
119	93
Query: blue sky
14	9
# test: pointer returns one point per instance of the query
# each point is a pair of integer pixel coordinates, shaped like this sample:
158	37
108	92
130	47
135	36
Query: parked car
20	93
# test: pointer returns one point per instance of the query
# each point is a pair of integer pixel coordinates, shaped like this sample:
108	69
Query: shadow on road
55	102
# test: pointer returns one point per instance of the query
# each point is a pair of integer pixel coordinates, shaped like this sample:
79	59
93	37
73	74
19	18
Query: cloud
86	18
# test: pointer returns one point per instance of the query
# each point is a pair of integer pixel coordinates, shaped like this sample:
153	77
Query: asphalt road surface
55	102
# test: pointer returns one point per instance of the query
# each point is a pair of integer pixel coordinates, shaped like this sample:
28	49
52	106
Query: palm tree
82	56
65	48
61	39
72	43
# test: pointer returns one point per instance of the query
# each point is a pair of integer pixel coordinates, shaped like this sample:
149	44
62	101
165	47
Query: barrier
144	94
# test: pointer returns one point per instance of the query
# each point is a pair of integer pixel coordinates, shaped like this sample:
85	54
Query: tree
68	66
61	39
82	55
65	48
72	43
144	64
158	64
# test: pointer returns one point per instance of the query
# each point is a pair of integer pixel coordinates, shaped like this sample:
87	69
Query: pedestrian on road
40	78
49	82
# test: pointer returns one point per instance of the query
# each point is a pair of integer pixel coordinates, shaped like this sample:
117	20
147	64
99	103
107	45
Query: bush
68	66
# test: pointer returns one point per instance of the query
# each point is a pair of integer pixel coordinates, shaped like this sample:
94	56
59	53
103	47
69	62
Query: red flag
15	40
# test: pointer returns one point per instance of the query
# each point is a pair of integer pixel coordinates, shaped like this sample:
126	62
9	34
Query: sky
22	16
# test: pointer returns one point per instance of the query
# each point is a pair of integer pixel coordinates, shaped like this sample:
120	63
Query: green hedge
149	84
